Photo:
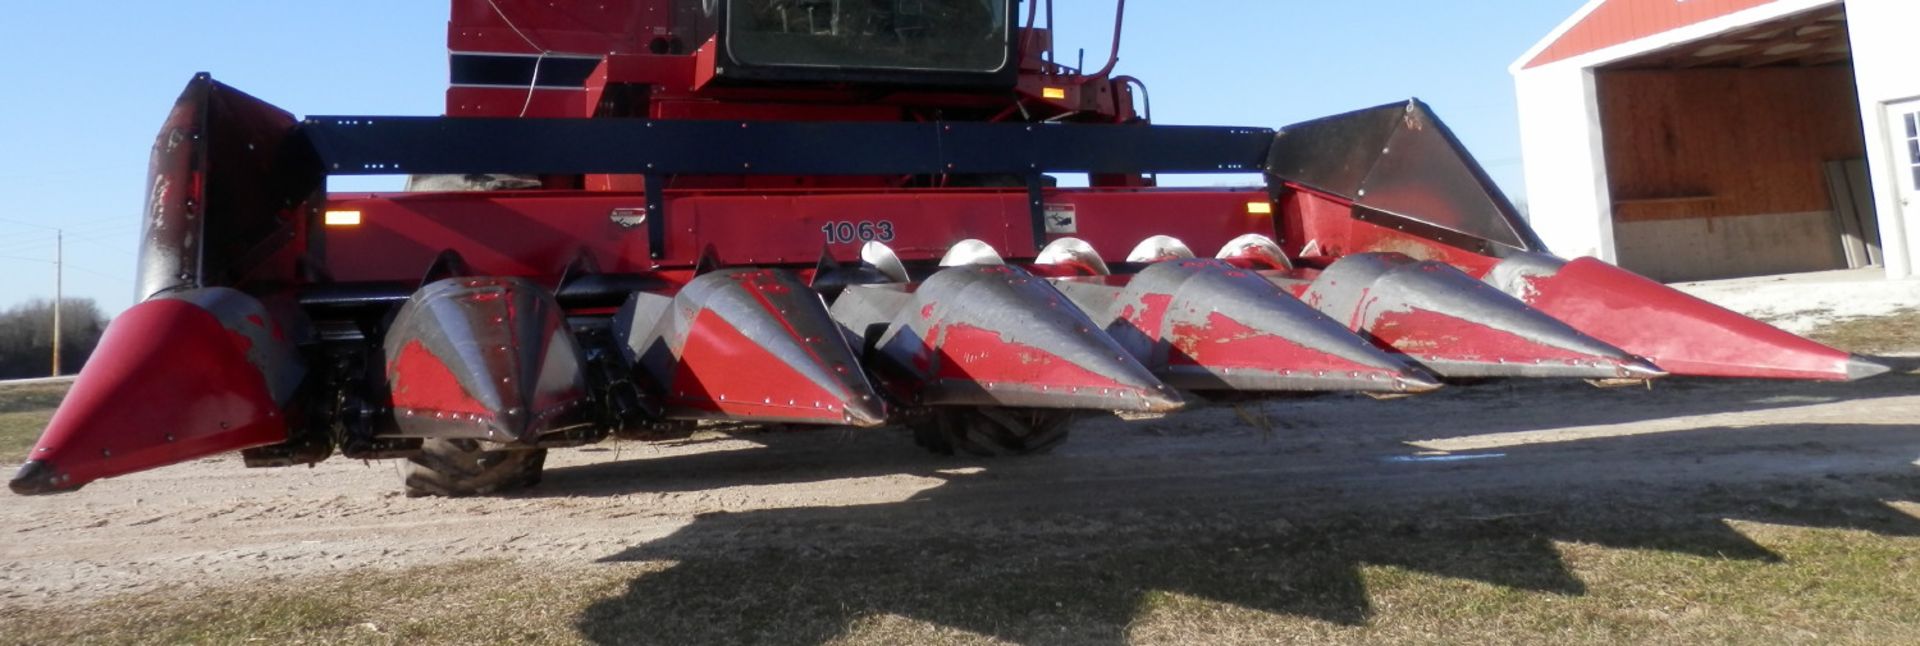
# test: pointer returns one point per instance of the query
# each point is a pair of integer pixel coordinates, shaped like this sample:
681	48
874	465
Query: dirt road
1488	451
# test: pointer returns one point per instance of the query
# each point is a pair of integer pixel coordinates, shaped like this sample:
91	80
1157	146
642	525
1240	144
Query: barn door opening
1854	212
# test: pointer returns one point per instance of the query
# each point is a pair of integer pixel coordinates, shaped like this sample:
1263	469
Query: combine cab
645	215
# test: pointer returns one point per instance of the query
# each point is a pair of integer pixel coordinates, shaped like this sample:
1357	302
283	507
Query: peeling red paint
422	382
1430	335
970	353
724	372
1152	314
1224	343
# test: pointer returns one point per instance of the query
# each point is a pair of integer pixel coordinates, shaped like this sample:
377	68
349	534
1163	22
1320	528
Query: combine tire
993	432
454	468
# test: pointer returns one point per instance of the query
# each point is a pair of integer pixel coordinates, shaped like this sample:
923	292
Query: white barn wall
1563	156
1886	63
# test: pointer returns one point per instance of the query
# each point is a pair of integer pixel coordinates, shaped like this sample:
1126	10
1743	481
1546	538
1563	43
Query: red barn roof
1605	23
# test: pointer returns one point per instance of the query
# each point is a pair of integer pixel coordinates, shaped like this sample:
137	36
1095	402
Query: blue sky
90	82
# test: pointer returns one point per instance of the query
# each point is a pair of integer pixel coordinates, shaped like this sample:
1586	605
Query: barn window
1913	146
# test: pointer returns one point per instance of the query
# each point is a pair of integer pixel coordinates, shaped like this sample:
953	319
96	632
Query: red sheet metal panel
516	102
1617	22
537	233
1680	333
170	382
532	26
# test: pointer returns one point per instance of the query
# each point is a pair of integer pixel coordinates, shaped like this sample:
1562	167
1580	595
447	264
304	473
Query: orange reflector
1260	208
1053	93
343	218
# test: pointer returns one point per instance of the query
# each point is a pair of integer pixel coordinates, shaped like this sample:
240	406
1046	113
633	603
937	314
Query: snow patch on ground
1800	303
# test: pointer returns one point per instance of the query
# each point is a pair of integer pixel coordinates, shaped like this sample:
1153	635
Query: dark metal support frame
661	149
400	145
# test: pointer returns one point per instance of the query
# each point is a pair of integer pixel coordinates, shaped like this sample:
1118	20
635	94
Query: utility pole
58	242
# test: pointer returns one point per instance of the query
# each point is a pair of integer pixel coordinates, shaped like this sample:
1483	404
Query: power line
35	225
101	274
88	229
98	245
43	241
71	225
34	240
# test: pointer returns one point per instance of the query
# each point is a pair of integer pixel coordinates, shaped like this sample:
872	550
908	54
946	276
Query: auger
641	216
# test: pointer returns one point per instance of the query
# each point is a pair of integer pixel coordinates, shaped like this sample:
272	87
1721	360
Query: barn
1704	139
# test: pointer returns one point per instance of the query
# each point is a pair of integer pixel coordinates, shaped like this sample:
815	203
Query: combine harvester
654	213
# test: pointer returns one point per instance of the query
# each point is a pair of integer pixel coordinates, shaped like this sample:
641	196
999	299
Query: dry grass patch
24	411
462	603
1895	333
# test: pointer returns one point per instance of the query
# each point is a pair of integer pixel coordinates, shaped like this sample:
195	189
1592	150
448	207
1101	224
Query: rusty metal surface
485	358
1459	326
225	184
171	223
752	345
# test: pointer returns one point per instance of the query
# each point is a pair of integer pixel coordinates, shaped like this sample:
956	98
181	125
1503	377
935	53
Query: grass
1895	333
1362	581
24	411
467	602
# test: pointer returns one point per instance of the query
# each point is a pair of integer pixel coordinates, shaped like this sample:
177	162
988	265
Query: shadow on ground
1073	548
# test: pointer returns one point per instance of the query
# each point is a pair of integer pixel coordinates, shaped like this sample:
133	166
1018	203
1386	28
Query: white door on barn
1905	116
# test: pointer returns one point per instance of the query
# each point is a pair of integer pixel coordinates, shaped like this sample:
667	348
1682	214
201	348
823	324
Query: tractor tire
455	468
993	432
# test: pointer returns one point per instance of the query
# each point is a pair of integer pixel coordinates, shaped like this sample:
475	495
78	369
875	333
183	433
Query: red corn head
1207	325
749	344
1461	327
993	335
1683	334
484	358
182	376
